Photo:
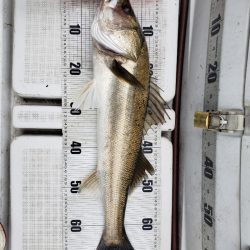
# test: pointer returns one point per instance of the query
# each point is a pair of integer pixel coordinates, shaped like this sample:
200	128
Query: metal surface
245	169
209	138
6	24
245	198
224	121
201	120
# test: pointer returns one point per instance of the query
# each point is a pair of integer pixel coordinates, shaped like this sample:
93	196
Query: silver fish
128	104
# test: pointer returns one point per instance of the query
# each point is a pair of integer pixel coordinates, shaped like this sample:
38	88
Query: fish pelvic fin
86	98
91	185
142	168
123	245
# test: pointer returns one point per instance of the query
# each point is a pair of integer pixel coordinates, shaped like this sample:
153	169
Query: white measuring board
37	74
37	117
36	197
37	49
83	214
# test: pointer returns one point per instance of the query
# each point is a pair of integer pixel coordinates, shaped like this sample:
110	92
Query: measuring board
209	137
82	213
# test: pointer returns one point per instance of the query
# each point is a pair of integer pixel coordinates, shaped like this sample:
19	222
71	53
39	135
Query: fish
128	104
3	238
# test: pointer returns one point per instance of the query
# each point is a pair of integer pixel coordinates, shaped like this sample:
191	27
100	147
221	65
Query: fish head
118	14
117	29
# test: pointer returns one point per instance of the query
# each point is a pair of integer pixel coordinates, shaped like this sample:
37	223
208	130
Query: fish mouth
112	3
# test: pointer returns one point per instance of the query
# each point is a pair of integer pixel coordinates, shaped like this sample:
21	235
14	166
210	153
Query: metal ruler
209	137
82	213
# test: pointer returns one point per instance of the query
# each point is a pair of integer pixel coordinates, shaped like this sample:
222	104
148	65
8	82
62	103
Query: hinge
220	121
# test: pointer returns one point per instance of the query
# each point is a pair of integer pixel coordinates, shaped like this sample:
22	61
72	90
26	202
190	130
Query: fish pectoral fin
91	184
123	74
87	97
156	111
142	168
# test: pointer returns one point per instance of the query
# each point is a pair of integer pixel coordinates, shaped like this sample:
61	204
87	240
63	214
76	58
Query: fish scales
121	120
121	90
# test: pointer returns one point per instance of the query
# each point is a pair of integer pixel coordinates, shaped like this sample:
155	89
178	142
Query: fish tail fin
123	245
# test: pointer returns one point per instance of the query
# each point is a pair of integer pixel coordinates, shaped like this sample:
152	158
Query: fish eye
127	8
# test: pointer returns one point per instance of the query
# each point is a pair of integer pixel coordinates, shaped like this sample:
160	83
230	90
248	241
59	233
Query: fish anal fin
91	185
86	98
142	169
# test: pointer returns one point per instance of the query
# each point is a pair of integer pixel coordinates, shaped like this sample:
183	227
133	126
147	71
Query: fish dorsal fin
87	97
142	169
91	184
156	111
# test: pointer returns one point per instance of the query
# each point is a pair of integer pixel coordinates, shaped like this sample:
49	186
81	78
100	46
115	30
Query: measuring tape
209	137
82	213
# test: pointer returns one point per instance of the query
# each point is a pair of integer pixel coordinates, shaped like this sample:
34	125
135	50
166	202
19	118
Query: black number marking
148	31
76	148
75	69
76	226
147	224
147	186
151	67
213	67
74	111
216	26
212	74
75	186
208	215
75	29
208	171
75	151
147	147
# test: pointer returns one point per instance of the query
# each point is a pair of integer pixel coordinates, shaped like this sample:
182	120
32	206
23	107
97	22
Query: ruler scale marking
209	138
